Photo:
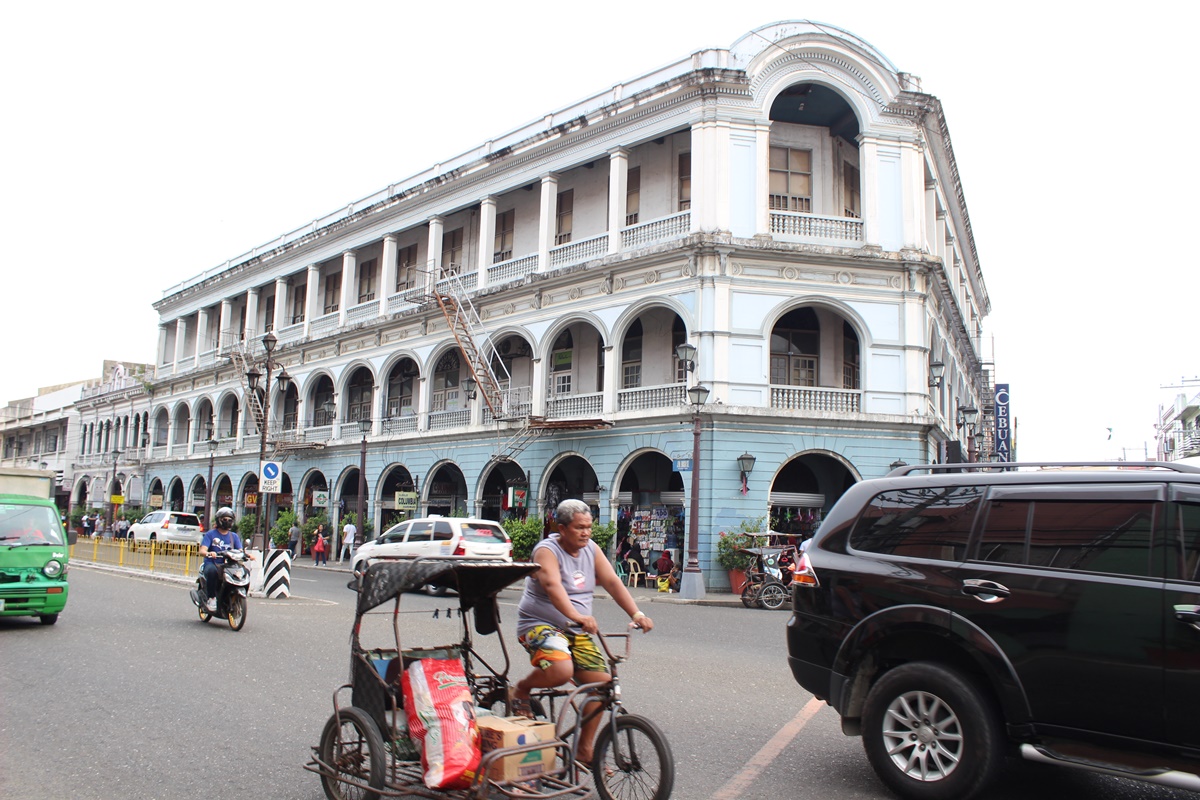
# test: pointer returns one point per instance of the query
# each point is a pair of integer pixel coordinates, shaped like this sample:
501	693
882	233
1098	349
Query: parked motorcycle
232	591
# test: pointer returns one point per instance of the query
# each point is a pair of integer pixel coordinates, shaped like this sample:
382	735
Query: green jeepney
33	547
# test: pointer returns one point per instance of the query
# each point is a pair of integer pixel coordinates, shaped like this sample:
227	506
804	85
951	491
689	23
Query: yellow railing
158	557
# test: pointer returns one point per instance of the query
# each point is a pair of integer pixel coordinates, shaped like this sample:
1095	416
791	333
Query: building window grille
505	227
298	303
452	250
685	181
852	200
333	293
791	180
633	196
367	275
565	217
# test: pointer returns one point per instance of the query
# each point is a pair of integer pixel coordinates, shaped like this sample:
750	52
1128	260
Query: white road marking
738	785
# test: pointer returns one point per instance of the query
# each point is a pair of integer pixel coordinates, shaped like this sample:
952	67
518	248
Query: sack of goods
441	721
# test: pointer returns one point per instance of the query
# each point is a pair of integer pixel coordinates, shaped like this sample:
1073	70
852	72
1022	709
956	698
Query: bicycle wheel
773	596
750	595
635	765
352	746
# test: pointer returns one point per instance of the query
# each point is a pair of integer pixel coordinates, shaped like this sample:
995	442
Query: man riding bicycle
554	617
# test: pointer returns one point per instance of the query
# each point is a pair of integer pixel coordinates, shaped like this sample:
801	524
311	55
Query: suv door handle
1189	615
985	591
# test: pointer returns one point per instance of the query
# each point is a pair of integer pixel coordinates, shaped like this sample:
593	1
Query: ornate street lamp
208	487
252	377
692	586
365	426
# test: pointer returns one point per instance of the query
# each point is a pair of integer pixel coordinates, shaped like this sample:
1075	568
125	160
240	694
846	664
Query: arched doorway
505	492
175	495
804	489
447	494
315	495
572	478
399	499
650	506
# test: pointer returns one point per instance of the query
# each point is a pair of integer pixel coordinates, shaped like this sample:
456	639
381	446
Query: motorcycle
233	589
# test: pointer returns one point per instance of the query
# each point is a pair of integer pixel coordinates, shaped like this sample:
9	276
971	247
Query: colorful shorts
547	644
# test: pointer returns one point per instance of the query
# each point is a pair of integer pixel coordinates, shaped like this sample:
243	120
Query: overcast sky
146	142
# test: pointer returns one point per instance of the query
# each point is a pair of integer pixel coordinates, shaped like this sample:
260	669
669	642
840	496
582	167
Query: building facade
1178	430
502	330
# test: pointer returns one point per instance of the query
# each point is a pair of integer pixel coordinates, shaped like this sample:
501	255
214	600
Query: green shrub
524	534
728	544
246	528
364	531
602	534
283	523
310	526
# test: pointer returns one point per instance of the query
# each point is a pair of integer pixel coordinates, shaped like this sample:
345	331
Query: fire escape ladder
241	363
519	440
477	349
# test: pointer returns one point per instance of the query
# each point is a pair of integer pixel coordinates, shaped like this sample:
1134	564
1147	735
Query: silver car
166	526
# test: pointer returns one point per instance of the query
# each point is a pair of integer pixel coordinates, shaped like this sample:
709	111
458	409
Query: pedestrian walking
294	539
319	556
348	534
87	525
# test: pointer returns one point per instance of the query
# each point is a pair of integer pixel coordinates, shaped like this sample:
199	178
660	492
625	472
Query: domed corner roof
750	46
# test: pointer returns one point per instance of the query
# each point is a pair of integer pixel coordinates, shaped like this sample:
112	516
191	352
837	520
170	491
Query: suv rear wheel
930	734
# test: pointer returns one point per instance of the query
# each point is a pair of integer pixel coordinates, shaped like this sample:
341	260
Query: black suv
954	617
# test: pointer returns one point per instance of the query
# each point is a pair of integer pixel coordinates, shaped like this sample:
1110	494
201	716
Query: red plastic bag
441	721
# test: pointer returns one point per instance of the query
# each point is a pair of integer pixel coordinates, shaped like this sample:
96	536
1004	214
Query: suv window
1183	553
1083	532
442	531
185	519
930	522
395	534
420	532
157	516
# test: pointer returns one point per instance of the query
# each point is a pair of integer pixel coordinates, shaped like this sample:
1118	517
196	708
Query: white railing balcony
207	358
290	333
575	405
1189	443
515	402
318	433
363	312
404	424
404	300
575	252
442	420
656	230
643	397
158	451
811	398
813	226
514	269
467	281
322	326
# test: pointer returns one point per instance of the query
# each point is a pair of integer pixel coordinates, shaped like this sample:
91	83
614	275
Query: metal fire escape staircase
478	351
285	442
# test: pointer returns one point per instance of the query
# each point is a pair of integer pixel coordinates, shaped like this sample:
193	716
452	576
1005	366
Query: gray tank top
578	578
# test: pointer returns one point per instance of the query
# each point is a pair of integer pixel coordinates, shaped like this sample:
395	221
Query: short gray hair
567	509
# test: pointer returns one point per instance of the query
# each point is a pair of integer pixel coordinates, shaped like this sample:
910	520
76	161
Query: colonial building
504	329
1179	429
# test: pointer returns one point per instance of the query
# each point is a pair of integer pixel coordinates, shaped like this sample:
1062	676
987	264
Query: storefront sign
251	500
1003	424
156	501
406	501
320	499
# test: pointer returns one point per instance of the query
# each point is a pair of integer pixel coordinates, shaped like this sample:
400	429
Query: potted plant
730	555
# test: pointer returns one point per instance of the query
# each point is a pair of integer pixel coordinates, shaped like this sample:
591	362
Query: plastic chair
620	569
636	574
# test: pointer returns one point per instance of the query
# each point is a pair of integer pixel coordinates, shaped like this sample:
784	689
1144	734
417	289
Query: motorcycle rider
214	543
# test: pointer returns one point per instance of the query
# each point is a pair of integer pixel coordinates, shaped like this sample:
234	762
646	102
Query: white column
762	208
252	332
539	388
547	214
201	332
612	366
283	302
223	325
312	300
868	167
434	256
618	191
487	238
349	284
377	410
162	344
424	402
387	280
180	335
930	217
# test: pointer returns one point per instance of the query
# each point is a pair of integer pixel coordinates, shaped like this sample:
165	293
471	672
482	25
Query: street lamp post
208	487
112	507
692	585
252	376
967	416
365	426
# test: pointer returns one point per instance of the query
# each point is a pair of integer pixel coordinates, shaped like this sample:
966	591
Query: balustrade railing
511	270
575	252
656	230
575	405
515	402
812	226
441	420
363	312
808	398
318	433
644	397
403	300
405	424
290	333
323	325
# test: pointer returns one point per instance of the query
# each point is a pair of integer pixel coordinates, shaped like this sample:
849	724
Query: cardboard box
501	732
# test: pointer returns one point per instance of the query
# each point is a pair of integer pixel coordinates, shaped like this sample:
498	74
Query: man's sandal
521	706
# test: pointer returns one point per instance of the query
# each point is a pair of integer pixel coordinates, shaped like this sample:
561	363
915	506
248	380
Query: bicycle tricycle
768	578
365	753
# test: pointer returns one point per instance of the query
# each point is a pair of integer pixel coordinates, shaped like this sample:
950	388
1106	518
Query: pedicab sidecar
365	752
